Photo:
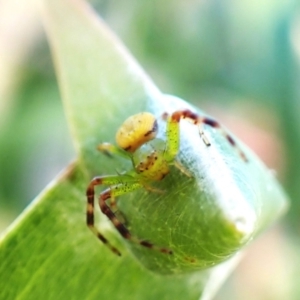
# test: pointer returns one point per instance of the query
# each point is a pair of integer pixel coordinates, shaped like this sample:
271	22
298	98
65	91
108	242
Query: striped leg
173	129
90	193
115	191
120	184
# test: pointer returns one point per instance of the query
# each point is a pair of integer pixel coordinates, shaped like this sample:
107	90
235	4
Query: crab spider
151	160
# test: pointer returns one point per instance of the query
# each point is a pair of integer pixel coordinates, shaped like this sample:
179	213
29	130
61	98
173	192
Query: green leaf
50	254
206	219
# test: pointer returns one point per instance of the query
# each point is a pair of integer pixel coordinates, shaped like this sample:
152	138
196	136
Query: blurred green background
238	60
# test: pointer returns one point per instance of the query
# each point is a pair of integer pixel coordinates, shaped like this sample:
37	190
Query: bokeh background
239	60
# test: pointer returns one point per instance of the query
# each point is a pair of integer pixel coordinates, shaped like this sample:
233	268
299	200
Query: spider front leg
173	131
90	193
121	184
110	150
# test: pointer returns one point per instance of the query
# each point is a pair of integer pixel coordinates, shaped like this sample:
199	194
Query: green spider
151	159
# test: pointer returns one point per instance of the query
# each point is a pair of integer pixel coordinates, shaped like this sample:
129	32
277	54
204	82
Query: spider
151	159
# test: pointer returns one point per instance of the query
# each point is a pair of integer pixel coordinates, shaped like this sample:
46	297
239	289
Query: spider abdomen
136	131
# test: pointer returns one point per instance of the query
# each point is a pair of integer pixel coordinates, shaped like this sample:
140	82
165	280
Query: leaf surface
205	219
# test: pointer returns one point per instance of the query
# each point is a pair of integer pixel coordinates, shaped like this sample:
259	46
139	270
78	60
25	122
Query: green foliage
205	219
50	254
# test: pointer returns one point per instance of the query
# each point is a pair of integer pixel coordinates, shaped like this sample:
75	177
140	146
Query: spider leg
213	123
115	191
173	131
120	184
113	204
90	193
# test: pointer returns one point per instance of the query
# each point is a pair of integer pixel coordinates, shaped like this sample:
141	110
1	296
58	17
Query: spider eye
136	131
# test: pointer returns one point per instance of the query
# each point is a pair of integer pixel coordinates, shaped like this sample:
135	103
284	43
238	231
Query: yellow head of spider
136	131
